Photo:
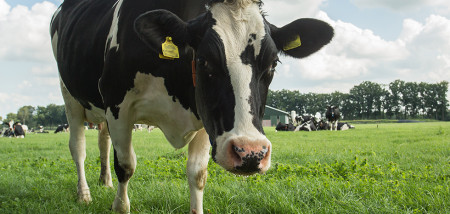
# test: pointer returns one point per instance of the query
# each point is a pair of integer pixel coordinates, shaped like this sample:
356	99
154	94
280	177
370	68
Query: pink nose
249	157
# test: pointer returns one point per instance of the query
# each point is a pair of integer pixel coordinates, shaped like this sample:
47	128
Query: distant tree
442	89
395	98
11	116
25	114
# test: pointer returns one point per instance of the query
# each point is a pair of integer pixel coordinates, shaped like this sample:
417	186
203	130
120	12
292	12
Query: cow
197	69
18	130
285	127
62	128
333	115
303	118
323	125
309	125
344	126
25	128
41	130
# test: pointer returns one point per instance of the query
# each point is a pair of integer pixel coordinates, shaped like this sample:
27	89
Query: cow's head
236	54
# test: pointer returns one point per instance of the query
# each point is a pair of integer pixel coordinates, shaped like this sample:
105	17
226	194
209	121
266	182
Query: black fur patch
122	175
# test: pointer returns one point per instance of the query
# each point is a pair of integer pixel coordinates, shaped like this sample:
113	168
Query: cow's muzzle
246	157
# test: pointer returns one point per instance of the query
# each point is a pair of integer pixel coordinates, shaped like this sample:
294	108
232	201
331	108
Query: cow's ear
155	26
302	37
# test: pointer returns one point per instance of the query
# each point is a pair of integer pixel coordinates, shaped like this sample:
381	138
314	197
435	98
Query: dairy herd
312	123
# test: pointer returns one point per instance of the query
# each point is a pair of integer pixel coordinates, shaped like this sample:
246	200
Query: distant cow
303	118
333	115
307	126
7	130
25	128
18	130
344	126
285	127
41	130
323	125
62	128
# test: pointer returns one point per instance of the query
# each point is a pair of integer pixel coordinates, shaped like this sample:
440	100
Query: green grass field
392	168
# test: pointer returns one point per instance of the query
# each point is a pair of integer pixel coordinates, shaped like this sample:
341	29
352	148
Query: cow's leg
104	144
124	161
77	142
336	123
197	169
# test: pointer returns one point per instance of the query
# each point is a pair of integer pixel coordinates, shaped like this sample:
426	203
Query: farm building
272	116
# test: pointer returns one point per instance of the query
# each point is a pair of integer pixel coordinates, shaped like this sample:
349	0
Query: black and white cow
207	84
18	130
333	115
62	128
309	126
323	125
14	130
285	127
344	126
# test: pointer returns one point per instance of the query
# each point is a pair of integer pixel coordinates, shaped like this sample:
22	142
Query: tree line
50	116
370	100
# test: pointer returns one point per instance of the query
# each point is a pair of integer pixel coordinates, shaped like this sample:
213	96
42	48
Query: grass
376	168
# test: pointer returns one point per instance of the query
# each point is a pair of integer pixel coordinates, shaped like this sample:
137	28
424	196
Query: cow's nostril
237	160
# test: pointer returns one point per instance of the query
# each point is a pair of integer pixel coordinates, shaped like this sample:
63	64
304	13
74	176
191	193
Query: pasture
395	168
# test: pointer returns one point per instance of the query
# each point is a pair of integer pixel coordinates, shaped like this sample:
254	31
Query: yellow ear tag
293	44
169	50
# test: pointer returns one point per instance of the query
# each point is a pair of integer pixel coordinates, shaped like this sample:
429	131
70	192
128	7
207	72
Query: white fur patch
112	36
148	102
55	44
234	25
55	14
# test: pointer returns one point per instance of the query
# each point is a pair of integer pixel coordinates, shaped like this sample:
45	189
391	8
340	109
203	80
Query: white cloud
48	81
419	54
441	6
47	70
25	32
25	84
282	12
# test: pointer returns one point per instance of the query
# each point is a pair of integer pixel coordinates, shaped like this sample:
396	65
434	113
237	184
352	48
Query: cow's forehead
238	28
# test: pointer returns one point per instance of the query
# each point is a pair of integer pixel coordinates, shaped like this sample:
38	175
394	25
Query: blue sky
375	40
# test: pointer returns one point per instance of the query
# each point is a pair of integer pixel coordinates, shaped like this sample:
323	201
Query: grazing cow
200	74
62	128
285	127
333	115
137	127
18	130
344	126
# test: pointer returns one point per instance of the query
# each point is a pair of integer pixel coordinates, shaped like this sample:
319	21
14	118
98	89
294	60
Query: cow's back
82	31
81	28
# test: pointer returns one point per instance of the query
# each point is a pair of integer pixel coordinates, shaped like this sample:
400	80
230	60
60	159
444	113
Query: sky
375	40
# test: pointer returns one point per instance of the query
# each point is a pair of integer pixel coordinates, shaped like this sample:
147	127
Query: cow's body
344	126
62	128
333	115
307	126
285	127
113	68
19	132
